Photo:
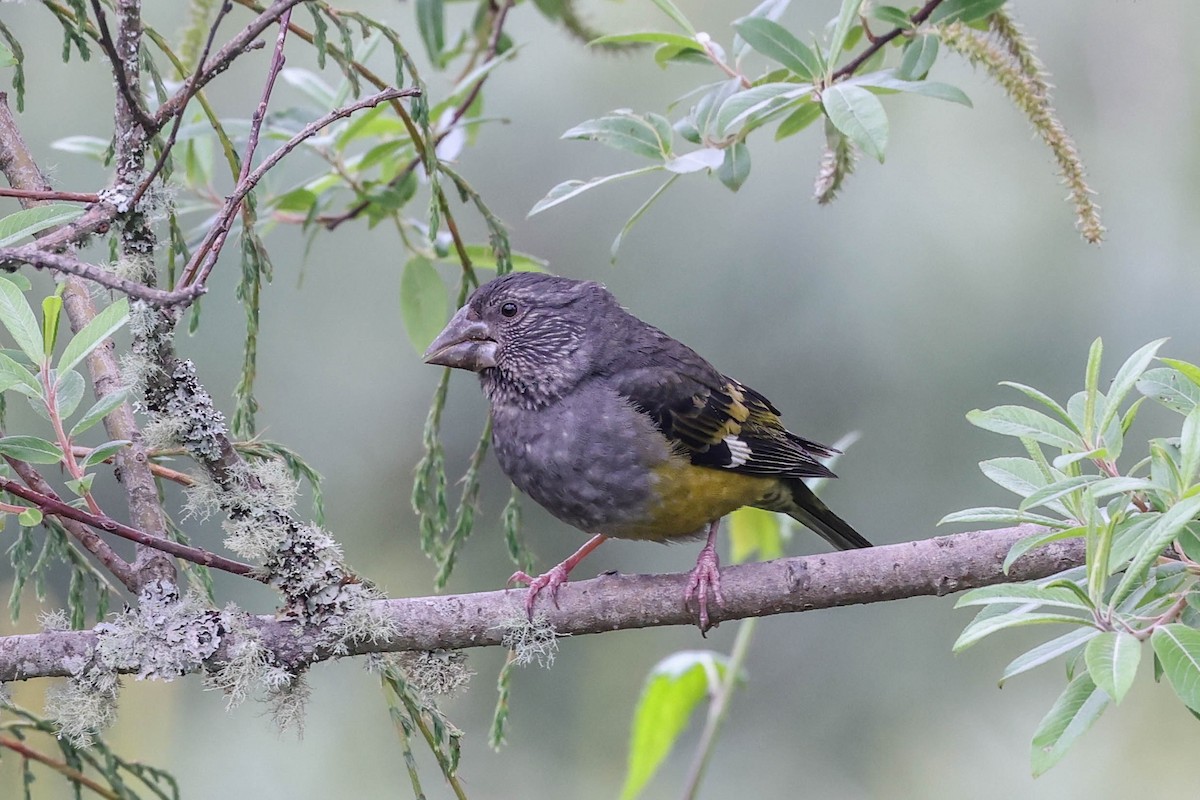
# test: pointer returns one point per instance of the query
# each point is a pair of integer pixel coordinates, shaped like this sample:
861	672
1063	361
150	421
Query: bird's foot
706	575
550	580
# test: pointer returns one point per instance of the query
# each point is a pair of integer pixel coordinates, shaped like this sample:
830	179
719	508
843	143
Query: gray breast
587	458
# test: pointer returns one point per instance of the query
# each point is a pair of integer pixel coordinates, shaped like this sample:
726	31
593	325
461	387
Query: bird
623	432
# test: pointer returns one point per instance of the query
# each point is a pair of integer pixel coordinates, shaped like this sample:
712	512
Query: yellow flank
690	497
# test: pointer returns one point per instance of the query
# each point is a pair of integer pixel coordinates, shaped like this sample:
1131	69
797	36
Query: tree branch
36	256
53	505
938	566
879	42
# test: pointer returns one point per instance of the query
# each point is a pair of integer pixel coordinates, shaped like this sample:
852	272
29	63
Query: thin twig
166	473
189	90
50	194
88	539
118	67
35	256
70	773
51	505
204	258
879	42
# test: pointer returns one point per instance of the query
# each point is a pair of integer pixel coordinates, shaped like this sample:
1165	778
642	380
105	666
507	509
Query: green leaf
669	8
847	16
27	222
1170	388
31	449
1126	378
101	409
965	11
82	486
30	517
624	130
51	309
982	628
919	55
887	80
1091	388
107	322
798	120
1178	649
17	317
69	393
999	515
756	105
1122	483
1164	531
1023	546
1112	660
1056	596
1043	398
423	302
859	115
1048	651
1072	714
1021	421
673	689
650	37
103	452
431	22
779	44
1019	475
754	534
16	376
1185	368
568	189
735	167
892	16
1058	489
1189	448
91	146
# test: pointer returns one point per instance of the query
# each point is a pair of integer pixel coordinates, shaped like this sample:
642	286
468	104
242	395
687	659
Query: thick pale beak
465	343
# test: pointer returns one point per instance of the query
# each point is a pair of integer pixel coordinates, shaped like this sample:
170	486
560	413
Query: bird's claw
706	575
552	579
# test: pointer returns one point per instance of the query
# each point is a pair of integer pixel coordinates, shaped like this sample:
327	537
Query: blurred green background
893	312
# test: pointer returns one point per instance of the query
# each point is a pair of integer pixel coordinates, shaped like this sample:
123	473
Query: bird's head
529	336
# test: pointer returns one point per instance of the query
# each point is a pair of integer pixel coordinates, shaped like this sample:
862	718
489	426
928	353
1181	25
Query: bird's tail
808	509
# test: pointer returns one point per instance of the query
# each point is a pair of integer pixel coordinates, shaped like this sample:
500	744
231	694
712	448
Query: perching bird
618	429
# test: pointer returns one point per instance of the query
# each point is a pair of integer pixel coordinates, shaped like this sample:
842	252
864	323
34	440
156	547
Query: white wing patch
739	451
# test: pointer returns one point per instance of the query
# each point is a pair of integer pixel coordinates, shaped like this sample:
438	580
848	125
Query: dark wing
720	422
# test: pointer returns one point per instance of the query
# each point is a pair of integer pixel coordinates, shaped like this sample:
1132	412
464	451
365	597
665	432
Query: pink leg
706	574
555	577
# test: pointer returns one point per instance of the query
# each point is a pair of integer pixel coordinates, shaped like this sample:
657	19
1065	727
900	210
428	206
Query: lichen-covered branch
937	566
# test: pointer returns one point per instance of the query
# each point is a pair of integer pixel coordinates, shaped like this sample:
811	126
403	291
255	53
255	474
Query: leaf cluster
1140	524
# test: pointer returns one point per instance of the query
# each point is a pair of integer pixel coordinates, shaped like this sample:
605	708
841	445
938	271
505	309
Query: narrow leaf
1126	378
102	453
1164	531
965	11
1048	651
999	515
1058	597
18	318
102	326
779	44
846	18
981	628
101	409
798	120
568	189
27	222
1023	546
624	130
674	688
1072	714
1048	494
31	449
1170	388
1022	421
919	55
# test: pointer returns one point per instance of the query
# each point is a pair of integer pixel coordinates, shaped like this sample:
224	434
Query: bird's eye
509	309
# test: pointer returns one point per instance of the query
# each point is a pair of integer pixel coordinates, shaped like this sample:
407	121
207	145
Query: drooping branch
35	256
938	566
